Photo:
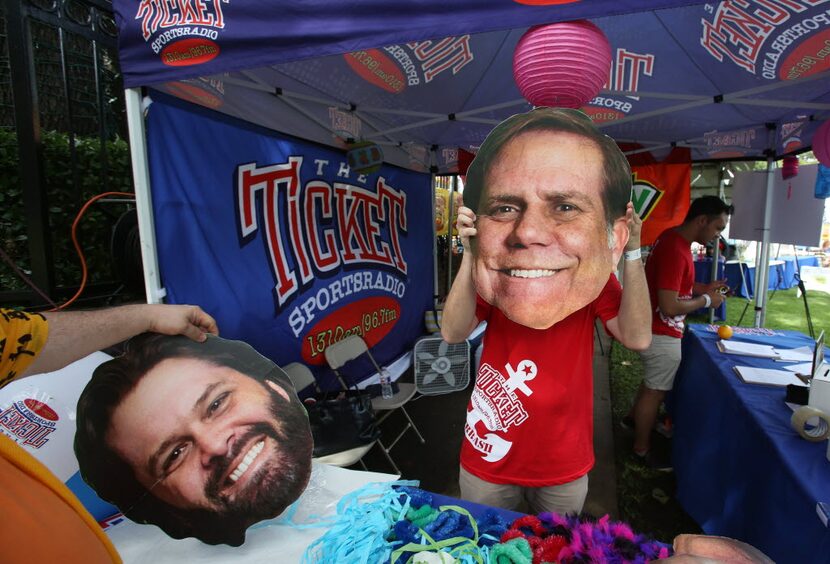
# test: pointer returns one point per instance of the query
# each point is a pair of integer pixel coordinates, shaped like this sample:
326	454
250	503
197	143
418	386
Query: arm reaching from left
632	326
76	334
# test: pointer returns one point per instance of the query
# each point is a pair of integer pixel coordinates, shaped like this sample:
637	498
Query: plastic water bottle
385	384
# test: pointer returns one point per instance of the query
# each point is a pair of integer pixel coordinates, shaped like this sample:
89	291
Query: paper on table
801	354
803	368
767	376
747	349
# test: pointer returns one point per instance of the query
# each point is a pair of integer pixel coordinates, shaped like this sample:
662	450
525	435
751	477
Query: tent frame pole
143	199
762	268
435	296
450	227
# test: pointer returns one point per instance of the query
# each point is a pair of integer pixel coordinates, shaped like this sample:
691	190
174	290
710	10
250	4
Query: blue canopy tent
424	79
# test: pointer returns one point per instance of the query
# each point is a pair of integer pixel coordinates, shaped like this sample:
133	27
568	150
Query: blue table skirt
741	470
790	271
782	274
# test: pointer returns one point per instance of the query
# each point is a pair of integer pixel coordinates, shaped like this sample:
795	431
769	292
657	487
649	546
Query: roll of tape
815	434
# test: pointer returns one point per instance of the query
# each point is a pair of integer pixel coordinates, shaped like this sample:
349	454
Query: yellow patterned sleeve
22	337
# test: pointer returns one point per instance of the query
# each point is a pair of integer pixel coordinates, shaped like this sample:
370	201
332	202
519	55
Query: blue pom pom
406	532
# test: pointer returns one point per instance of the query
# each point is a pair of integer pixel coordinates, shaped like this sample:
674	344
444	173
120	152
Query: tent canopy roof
425	78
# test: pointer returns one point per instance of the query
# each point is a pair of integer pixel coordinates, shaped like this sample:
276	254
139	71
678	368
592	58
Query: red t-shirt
530	418
669	267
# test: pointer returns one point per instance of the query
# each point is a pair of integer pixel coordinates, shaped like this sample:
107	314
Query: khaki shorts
562	499
660	362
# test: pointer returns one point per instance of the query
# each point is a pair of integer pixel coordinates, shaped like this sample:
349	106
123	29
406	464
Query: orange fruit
725	332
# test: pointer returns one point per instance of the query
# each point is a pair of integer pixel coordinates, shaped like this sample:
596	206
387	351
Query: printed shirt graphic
669	267
530	417
22	336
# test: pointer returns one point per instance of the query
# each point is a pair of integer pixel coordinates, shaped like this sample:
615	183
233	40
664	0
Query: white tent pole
143	199
659	112
762	265
731	96
434	248
449	230
726	98
779	104
405	127
713	275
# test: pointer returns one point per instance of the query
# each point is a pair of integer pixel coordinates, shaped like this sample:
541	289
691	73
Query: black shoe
627	423
654	461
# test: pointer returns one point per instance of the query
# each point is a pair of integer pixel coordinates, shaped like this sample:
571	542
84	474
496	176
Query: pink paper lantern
789	167
562	65
821	143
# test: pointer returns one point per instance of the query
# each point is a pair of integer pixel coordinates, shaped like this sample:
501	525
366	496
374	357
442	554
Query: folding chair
352	347
302	378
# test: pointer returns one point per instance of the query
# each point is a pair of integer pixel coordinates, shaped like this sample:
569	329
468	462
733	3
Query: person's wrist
707	301
634	254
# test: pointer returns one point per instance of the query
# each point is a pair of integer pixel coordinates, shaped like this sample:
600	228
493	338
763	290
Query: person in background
674	293
546	219
43	521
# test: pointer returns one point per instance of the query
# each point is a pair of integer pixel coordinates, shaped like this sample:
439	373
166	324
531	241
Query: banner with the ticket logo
283	244
38	413
661	196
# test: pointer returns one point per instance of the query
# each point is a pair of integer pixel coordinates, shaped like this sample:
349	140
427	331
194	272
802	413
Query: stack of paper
801	354
803	368
767	376
747	349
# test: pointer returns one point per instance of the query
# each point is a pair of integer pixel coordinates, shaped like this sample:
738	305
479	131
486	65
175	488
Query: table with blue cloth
783	274
703	274
790	268
742	471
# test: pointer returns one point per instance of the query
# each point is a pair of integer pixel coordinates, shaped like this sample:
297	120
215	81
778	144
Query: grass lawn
784	311
646	497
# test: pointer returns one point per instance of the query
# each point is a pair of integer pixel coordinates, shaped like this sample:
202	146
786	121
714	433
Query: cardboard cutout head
550	193
201	439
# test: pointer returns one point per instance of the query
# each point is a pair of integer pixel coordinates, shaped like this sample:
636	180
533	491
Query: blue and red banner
286	246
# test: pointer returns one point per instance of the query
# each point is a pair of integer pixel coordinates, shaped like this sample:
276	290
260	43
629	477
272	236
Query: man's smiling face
542	250
202	436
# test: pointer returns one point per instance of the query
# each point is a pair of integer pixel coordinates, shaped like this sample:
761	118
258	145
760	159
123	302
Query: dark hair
617	173
110	475
710	206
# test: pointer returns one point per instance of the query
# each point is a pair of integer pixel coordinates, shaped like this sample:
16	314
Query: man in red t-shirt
674	293
552	218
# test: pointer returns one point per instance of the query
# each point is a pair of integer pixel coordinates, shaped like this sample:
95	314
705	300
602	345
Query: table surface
742	471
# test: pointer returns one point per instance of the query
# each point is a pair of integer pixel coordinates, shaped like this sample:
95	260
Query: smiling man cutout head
549	192
201	439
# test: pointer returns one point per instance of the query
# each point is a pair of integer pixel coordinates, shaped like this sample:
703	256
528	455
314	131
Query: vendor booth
249	206
284	155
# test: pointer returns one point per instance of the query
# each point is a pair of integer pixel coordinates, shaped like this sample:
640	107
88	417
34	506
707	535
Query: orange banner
661	196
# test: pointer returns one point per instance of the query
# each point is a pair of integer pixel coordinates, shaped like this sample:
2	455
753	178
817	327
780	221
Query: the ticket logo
184	32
